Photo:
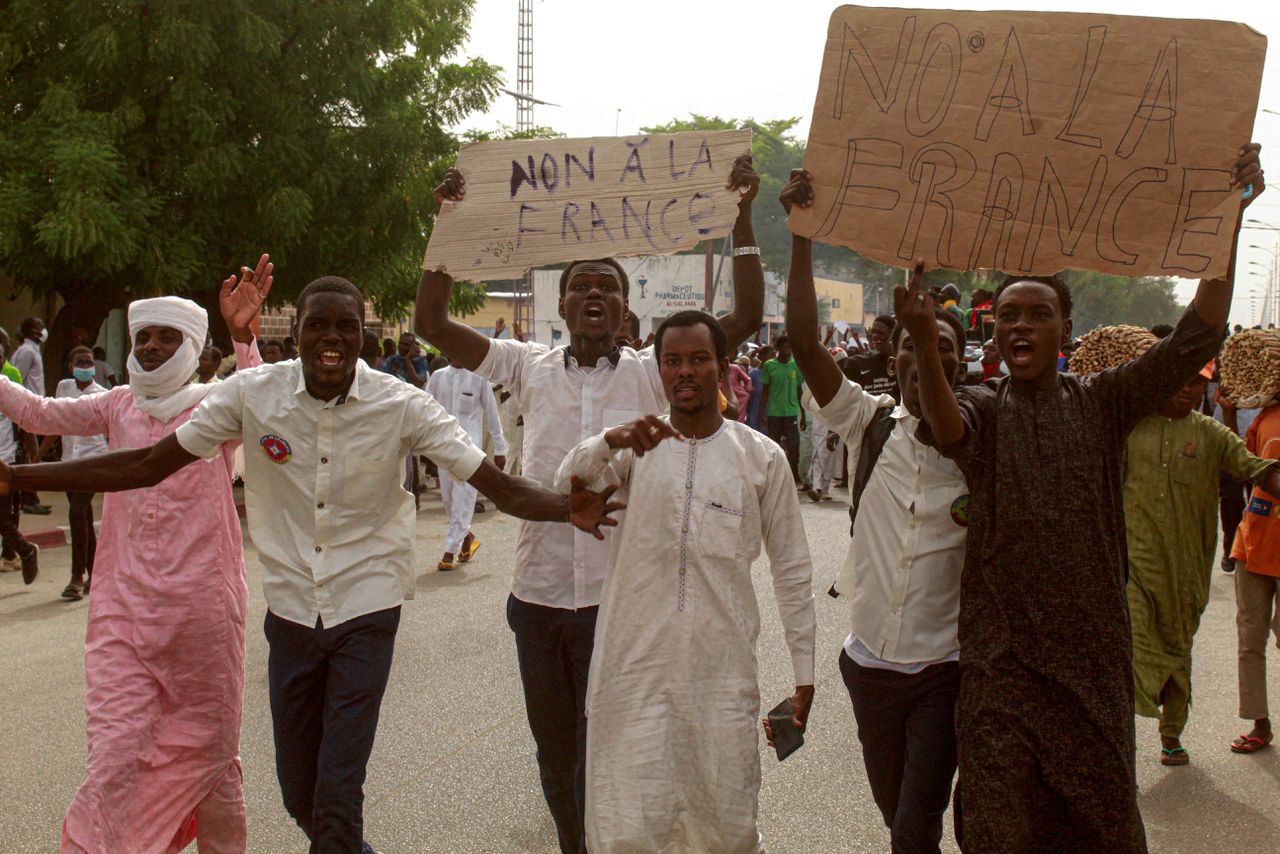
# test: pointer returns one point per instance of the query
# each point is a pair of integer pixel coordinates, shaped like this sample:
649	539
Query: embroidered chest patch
276	448
960	511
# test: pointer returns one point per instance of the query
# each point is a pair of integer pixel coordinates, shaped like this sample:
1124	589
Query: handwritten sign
1031	142
546	201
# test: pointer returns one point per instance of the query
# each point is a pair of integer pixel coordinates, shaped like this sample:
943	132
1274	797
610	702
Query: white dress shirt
79	447
903	565
467	397
563	404
27	359
324	483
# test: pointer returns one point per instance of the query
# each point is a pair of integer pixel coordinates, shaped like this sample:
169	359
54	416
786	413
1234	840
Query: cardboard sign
545	201
1031	142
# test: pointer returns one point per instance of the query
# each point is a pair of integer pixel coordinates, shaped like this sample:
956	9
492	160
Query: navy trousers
326	687
554	649
906	723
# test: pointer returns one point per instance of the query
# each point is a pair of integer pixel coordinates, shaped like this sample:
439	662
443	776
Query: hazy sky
620	65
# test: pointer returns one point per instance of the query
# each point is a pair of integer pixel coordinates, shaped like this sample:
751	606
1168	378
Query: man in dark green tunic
1044	721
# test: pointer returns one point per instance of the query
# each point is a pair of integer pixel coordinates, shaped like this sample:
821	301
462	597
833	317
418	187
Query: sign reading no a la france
533	202
1031	142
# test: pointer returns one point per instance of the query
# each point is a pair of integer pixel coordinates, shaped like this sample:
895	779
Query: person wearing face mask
79	504
29	361
164	645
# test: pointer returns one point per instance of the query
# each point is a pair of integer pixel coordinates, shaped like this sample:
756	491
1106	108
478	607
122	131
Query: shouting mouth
1021	352
331	359
593	311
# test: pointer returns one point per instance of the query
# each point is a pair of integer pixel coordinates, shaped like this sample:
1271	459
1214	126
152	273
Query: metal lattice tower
524	64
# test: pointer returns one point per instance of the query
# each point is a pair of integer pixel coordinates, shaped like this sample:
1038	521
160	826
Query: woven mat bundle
1250	368
1108	346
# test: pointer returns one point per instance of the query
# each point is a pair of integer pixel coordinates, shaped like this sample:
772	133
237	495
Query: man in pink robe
165	644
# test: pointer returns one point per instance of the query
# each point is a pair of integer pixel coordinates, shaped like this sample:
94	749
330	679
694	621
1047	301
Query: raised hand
913	308
743	177
589	510
516	332
799	191
1248	171
499	327
241	301
641	435
452	189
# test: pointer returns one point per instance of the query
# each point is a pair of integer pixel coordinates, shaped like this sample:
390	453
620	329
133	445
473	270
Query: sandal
467	553
445	565
1251	744
1174	756
73	591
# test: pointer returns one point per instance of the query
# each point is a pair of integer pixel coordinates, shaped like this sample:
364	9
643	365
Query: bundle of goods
1109	346
1250	368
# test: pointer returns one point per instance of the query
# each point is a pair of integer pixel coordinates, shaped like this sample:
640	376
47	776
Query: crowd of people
1002	509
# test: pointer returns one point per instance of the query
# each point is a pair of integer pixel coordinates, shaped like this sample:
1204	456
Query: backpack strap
873	442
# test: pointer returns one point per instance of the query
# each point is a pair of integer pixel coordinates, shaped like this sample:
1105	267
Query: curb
52	538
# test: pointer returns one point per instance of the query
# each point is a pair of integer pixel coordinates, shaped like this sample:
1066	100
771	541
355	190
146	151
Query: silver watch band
746	250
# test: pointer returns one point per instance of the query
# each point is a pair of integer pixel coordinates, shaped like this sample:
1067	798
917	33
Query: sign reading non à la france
534	202
1031	142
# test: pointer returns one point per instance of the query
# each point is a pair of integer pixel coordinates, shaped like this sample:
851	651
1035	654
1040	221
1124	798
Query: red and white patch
276	449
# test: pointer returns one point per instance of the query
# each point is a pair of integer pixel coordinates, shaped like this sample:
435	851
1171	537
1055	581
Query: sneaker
10	564
34	509
31	565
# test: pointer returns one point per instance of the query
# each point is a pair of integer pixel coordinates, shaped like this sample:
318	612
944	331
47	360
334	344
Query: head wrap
164	392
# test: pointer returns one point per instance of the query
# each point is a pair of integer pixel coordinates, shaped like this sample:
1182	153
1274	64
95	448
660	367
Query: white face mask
44	335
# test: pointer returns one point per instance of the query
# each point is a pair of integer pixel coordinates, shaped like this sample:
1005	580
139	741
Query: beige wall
845	299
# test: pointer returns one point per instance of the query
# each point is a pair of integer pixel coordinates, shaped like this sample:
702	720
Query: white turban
164	392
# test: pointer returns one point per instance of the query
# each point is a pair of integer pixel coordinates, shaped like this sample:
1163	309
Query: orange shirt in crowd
1257	544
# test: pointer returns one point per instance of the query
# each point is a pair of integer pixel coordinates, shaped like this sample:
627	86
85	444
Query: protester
104	374
336	540
207	367
979	308
272	352
18	552
780	382
1046	739
755	415
164	647
84	538
672	756
371	351
566	395
902	569
1173	462
468	398
950	301
30	363
870	370
1256	553
628	335
741	386
290	347
407	362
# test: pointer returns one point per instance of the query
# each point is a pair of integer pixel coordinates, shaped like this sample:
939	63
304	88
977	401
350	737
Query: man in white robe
467	397
673	759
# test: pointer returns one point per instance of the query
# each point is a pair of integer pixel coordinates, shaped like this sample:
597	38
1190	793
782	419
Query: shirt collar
900	413
614	356
352	393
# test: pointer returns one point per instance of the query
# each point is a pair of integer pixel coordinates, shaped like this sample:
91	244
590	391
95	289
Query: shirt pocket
367	482
468	403
719	529
1184	469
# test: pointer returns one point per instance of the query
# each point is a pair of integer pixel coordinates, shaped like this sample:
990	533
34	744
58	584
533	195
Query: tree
152	148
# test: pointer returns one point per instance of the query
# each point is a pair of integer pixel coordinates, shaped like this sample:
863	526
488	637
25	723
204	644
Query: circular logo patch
278	451
960	511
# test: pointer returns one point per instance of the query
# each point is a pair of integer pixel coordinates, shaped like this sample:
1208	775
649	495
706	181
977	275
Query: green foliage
155	147
1102	300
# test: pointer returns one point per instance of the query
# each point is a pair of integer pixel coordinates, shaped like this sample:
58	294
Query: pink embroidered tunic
165	644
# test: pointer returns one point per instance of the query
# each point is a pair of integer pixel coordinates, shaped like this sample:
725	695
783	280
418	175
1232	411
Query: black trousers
15	545
785	430
1232	497
554	649
84	539
326	687
906	723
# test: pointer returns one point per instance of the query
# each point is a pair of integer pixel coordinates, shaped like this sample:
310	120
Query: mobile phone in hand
787	737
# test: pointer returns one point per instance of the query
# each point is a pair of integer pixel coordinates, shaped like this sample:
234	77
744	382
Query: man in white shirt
567	394
19	552
84	539
673	762
900	661
28	359
468	398
326	437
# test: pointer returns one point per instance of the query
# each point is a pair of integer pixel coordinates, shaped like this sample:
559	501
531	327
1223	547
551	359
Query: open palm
241	301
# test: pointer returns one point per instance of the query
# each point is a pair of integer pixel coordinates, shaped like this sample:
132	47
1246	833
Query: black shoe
36	509
1228	565
31	565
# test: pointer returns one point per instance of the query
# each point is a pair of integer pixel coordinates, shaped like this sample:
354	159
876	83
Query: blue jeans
554	649
326	687
906	723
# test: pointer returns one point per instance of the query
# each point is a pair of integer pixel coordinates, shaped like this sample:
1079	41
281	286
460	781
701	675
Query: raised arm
1213	296
55	416
462	345
816	364
748	273
136	468
914	309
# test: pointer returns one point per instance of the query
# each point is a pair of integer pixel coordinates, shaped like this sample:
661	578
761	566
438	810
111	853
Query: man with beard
673	762
567	394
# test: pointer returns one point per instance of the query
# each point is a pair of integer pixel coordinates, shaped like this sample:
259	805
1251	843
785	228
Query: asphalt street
454	771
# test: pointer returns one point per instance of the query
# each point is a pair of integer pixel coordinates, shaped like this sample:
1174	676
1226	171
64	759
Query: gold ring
653	431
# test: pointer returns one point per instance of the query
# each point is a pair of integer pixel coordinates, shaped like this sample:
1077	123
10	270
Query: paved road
453	770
